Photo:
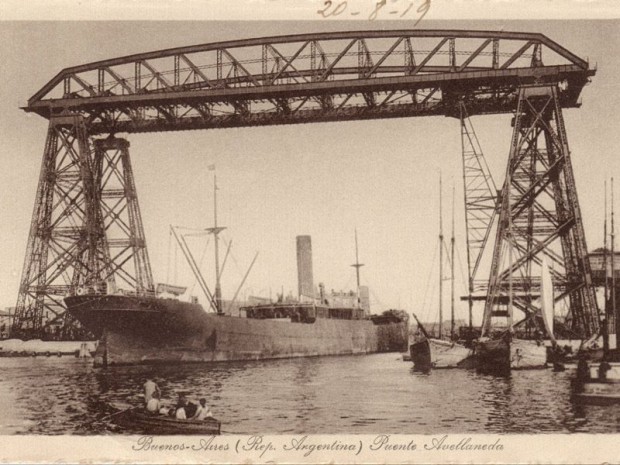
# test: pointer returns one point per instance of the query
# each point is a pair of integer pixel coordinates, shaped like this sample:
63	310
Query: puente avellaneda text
86	235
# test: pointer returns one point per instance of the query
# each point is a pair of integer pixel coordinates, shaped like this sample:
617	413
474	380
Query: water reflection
357	394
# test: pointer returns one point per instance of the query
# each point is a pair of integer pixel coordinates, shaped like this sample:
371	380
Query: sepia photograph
310	232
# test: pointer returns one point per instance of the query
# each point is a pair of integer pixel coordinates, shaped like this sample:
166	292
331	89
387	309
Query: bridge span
312	77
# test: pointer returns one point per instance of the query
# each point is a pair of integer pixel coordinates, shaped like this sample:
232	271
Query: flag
211	167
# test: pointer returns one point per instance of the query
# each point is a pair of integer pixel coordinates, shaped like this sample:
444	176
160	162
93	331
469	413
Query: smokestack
304	267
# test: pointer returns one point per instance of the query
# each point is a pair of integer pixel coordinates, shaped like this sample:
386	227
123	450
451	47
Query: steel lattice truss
480	196
309	78
57	231
86	233
540	216
125	256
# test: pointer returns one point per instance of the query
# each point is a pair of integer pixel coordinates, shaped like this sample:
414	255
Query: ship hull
438	354
493	355
450	355
503	354
420	352
527	355
143	330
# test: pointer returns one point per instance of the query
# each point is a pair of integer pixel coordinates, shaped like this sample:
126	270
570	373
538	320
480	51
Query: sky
324	179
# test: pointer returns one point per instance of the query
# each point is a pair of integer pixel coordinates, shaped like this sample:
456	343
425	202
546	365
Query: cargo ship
142	330
149	329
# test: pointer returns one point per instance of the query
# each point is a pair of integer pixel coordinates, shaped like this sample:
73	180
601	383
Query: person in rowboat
203	411
153	405
150	387
190	409
180	413
168	411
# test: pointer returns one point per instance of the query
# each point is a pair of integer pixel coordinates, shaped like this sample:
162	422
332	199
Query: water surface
351	394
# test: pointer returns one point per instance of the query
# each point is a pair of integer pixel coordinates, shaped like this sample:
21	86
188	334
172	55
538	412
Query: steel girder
311	78
540	217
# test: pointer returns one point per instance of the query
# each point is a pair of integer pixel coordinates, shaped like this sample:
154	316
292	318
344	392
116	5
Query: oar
107	417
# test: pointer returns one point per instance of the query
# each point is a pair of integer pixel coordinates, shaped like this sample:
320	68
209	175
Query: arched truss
311	77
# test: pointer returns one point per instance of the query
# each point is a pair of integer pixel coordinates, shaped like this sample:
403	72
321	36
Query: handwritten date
399	8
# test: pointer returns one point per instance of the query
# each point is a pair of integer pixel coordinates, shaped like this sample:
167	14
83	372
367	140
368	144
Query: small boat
503	353
428	352
493	355
420	352
450	354
138	420
527	354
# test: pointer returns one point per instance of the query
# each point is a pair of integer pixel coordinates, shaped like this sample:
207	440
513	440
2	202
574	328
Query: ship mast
606	276
452	271
357	265
215	230
441	245
613	268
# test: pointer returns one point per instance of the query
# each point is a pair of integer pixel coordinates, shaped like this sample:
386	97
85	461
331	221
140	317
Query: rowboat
139	421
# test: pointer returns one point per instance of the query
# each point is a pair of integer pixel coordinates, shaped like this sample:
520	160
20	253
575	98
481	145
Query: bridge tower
86	232
539	216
